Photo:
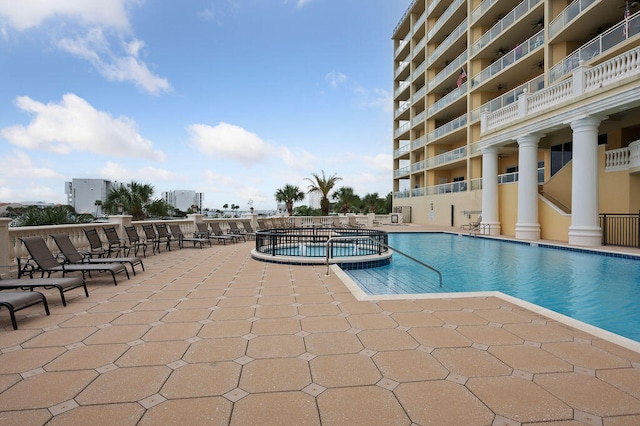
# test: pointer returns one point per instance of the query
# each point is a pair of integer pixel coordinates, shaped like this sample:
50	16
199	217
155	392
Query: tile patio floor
212	336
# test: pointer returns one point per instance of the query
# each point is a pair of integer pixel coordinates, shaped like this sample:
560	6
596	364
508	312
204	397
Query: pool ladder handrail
383	245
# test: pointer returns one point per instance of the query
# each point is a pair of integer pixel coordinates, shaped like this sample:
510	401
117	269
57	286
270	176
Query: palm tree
289	194
323	185
133	197
372	203
346	200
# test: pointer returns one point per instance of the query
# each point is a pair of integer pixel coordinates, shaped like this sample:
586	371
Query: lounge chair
249	230
134	241
203	232
46	262
18	300
336	222
473	226
116	245
61	284
179	236
262	225
73	256
163	235
234	229
353	223
150	237
97	249
217	231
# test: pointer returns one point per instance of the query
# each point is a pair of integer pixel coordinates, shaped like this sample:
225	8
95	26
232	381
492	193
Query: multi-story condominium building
87	195
526	112
183	199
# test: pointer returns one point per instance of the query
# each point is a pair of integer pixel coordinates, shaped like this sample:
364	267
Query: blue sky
232	98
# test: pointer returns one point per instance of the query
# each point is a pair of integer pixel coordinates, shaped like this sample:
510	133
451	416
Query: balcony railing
419	166
623	159
402	108
508	178
446	188
593	78
402	194
419	94
402	150
503	24
419	118
401	46
402	171
517	53
419	69
447	157
599	45
418	47
444	17
400	88
456	65
448	98
481	9
508	97
401	66
447	128
401	129
417	143
447	42
567	15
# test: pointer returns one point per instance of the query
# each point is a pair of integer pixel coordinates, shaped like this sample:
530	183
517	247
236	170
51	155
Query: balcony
421	141
401	129
402	65
418	95
404	171
447	157
418	167
508	97
444	18
456	65
623	159
402	151
447	188
449	98
402	108
598	46
516	54
481	9
447	42
503	24
447	128
569	14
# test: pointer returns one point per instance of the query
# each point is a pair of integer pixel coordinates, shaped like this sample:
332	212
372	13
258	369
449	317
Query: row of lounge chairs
316	222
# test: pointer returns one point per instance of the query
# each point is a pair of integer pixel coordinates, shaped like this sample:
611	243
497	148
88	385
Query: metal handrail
382	244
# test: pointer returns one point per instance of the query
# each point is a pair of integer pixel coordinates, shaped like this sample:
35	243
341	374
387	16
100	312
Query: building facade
525	112
87	195
183	199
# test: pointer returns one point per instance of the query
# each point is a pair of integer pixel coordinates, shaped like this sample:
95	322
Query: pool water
603	291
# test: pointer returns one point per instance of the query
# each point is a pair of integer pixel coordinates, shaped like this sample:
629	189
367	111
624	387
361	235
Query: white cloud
335	78
118	172
74	125
18	165
25	14
382	162
127	66
230	142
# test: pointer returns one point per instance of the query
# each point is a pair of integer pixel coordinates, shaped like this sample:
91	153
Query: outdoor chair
163	235
217	231
46	261
134	241
233	228
179	236
73	256
61	284
17	300
116	245
203	232
248	230
473	226
150	237
97	249
353	223
262	225
336	222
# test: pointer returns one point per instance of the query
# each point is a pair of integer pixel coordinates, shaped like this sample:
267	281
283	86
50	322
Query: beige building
524	112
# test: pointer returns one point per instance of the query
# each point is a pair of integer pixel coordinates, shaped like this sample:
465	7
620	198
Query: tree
133	197
372	203
158	208
346	200
289	194
58	215
323	185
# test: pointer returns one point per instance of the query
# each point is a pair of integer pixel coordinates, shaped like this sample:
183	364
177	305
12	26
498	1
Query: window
560	156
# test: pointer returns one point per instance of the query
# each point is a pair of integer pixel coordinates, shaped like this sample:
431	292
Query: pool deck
211	336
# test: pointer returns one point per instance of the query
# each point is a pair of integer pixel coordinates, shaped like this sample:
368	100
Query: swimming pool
603	291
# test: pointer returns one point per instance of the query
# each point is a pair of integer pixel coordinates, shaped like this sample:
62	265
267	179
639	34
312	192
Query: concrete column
585	223
490	214
527	227
120	221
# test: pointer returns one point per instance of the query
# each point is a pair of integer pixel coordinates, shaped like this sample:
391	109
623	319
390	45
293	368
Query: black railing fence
620	229
311	242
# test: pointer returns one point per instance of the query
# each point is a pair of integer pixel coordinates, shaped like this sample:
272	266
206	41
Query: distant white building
314	199
183	199
82	194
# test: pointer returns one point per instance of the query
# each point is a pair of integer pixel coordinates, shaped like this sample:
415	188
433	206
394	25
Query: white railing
418	119
419	94
448	98
508	97
617	160
508	178
597	46
447	157
516	54
634	154
447	42
401	66
402	150
419	166
456	65
401	171
446	188
402	194
585	79
481	9
417	143
400	88
447	128
401	46
445	17
418	47
567	15
416	72
503	24
401	129
402	108
418	192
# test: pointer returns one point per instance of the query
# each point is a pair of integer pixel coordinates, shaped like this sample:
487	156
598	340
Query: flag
627	13
460	77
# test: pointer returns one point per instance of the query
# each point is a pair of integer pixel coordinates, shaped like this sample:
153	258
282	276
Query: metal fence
312	242
620	229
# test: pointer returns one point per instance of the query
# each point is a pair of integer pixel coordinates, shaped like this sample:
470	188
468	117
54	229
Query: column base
527	231
491	228
585	236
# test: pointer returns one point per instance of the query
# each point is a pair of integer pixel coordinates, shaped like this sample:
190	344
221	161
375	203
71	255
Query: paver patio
211	336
